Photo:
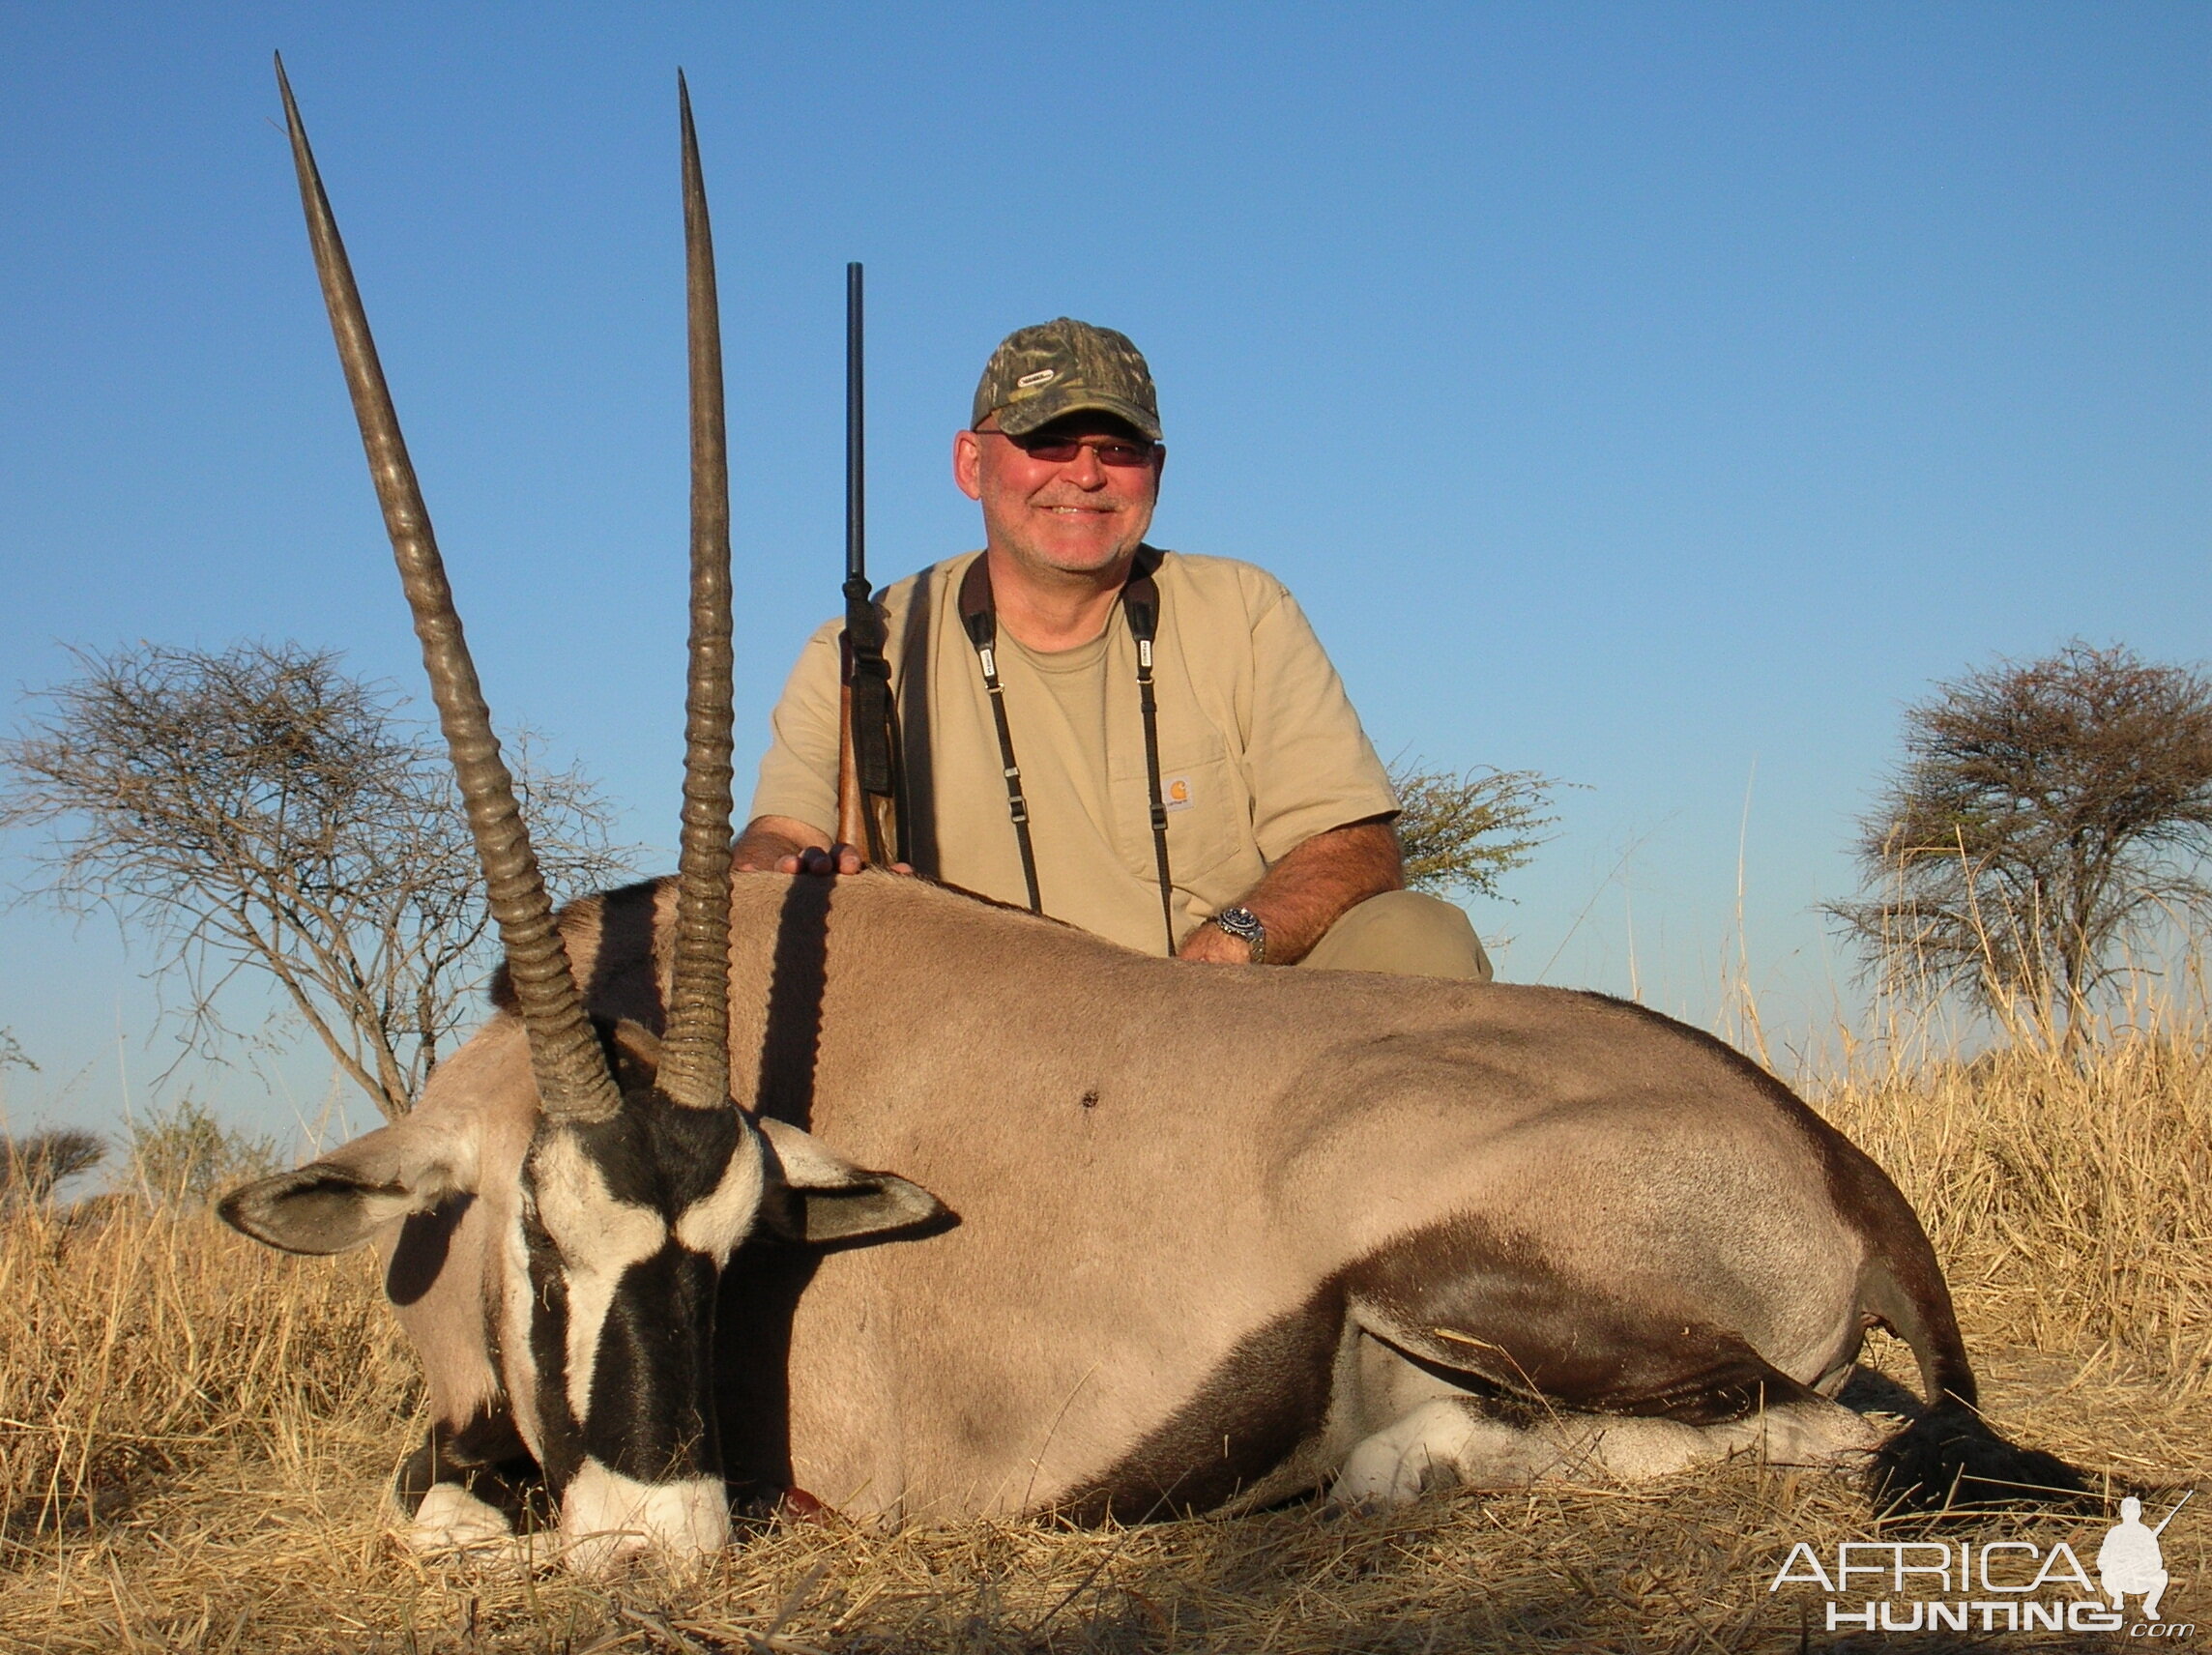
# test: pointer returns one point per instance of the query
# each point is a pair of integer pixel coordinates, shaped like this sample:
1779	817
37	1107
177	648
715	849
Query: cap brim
1020	419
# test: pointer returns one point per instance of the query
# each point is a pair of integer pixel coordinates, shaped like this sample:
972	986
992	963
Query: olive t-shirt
1260	749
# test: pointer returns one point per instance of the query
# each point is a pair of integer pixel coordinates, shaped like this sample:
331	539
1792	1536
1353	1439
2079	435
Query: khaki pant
1406	934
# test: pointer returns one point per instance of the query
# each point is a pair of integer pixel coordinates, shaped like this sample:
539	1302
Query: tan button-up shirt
1260	749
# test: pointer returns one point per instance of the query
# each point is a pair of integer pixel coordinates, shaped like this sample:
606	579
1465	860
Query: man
2130	1561
1177	767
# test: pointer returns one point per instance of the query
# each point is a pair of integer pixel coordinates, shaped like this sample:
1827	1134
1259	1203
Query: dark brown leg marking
1269	1396
1461	1299
485	1457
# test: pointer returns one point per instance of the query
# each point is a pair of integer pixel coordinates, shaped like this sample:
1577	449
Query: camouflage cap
1061	366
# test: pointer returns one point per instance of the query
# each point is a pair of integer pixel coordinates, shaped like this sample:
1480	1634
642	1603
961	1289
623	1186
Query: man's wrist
1242	923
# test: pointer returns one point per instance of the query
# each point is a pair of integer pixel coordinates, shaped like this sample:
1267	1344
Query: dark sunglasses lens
1109	453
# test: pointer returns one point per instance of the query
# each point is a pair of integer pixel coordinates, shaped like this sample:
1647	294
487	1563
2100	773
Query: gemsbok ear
337	1202
828	1198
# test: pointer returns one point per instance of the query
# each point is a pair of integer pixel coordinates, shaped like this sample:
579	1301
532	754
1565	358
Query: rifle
868	816
2171	1515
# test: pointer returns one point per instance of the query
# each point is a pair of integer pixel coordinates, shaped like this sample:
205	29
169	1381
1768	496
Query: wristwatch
1244	925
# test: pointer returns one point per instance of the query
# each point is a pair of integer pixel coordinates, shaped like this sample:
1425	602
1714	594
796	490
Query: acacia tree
257	808
30	1168
2047	815
1469	829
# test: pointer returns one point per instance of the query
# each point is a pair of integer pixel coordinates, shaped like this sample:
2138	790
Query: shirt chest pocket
1212	852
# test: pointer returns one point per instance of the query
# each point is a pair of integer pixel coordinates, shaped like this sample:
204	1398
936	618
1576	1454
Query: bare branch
12	1053
256	805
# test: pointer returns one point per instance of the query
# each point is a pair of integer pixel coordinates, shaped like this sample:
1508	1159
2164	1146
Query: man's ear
817	1195
337	1202
968	463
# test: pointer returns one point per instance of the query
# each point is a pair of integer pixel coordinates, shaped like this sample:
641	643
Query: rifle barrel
855	439
2174	1513
867	769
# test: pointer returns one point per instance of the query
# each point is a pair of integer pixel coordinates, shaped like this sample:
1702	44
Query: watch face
1244	925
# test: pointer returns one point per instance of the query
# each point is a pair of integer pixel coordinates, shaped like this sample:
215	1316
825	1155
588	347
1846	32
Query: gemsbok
1163	1236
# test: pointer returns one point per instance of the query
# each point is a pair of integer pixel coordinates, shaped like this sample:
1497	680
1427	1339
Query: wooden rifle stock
852	814
853	824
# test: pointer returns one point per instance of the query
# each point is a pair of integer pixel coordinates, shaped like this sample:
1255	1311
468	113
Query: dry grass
196	1435
2071	1199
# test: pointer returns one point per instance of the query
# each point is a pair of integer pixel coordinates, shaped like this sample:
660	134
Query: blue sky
1658	397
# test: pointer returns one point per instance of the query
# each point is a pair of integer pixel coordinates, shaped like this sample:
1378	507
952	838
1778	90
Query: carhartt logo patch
1042	376
1174	792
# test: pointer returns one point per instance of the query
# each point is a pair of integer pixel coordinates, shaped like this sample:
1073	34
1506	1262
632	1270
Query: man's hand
1305	893
784	845
816	859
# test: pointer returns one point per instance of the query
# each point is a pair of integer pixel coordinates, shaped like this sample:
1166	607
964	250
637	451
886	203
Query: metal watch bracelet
1244	925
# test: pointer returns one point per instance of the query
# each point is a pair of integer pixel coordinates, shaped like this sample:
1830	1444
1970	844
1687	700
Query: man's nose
1086	470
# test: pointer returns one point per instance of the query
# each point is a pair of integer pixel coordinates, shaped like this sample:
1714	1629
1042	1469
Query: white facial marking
606	1516
716	1222
450	1517
517	1363
599	1237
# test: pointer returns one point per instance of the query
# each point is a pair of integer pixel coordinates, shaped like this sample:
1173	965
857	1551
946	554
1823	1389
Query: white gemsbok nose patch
608	1516
599	1237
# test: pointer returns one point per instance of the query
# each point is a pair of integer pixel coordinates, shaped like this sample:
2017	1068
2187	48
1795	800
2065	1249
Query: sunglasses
1058	450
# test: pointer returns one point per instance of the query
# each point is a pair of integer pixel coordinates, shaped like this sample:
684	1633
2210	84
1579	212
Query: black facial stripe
657	1155
560	1447
651	1417
648	1414
759	1298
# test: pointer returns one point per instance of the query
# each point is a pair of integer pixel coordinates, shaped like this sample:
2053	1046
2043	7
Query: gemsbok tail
1950	1459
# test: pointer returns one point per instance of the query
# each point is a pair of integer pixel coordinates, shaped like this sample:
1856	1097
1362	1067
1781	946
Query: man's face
1077	515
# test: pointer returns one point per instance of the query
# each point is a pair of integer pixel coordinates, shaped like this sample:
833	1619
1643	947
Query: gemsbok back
1177	1236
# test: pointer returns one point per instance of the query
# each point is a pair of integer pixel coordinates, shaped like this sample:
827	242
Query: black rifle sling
981	619
874	720
1141	606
